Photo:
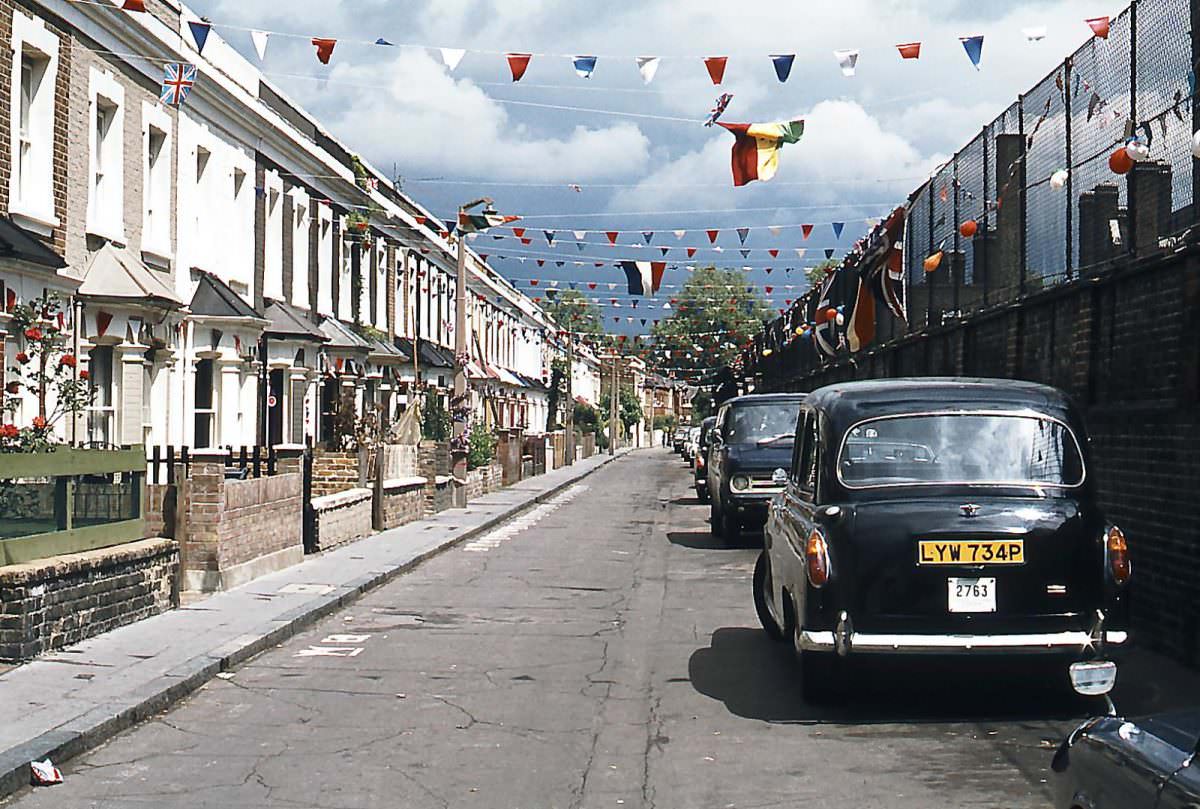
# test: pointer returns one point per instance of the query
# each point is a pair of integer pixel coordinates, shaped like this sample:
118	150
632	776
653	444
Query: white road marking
504	533
330	651
341	640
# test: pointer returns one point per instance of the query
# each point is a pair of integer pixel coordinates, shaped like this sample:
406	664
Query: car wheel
822	677
731	527
714	518
762	572
702	494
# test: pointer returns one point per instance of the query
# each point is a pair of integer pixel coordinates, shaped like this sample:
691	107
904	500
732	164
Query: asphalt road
600	651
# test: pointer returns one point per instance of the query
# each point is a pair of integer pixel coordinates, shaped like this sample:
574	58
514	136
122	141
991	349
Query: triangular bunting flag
774	253
382	41
691	251
806	230
1099	26
581	246
679	234
451	57
775	230
648	235
783	64
910	51
974	48
828	252
260	43
584	66
612	236
324	48
743	234
134	5
647	66
664	250
580	235
518	63
716	67
838	227
848	61
200	31
712	236
518	232
549	234
745	253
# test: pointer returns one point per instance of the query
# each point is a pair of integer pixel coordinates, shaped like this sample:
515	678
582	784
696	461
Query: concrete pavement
68	702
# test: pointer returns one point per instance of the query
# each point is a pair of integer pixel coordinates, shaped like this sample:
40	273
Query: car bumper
1077	641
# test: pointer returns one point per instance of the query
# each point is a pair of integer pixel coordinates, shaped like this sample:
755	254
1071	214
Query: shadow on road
758	679
705	541
687	501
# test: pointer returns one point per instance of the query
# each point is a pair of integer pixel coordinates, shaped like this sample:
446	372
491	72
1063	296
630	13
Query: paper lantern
1196	146
1120	162
968	228
830	314
1138	150
841	319
1058	180
933	262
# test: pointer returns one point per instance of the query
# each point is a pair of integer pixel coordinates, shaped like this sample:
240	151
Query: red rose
39	423
68	360
22	357
9	431
13	388
84	375
33	333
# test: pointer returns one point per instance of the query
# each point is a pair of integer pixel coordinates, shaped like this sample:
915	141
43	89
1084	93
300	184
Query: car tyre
762	573
714	518
731	527
702	494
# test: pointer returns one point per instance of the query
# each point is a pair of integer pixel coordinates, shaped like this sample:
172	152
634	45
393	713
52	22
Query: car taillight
1117	553
816	552
699	461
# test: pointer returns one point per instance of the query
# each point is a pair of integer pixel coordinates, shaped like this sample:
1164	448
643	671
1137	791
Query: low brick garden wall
341	518
403	501
53	603
334	472
484	480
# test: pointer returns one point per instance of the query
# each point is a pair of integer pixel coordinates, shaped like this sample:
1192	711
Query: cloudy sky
639	153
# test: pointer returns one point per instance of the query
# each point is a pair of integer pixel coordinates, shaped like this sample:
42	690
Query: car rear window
762	422
976	449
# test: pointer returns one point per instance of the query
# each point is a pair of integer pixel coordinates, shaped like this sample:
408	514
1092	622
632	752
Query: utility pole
460	404
614	400
570	419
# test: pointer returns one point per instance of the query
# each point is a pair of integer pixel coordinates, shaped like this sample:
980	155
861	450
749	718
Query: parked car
691	445
939	516
751	438
1113	763
700	467
678	438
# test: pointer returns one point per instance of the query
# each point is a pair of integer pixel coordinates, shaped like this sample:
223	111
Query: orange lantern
831	314
1120	162
968	228
933	262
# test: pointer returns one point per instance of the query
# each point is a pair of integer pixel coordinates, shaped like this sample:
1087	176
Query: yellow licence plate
972	552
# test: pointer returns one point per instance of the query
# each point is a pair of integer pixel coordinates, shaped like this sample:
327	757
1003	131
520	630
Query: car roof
850	402
711	420
766	398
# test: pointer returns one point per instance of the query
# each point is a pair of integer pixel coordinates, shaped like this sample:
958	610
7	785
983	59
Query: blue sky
869	140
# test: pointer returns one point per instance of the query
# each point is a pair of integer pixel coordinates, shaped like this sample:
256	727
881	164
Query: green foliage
587	420
435	419
558	382
817	274
481	447
714	315
665	422
571	310
702	406
630	411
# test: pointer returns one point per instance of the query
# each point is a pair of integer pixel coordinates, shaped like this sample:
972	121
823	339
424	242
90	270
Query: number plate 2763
972	595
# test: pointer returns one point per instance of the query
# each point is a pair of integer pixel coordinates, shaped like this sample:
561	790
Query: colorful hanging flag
848	61
911	50
691	252
974	48
1036	34
716	67
580	234
679	234
838	227
743	234
712	236
200	31
756	148
645	277
800	251
518	232
806	231
324	48
475	223
664	250
584	66
134	5
178	80
745	253
382	41
648	235
828	253
775	230
1099	26
518	63
451	57
612	236
718	109
783	64
773	253
260	43
549	234
647	66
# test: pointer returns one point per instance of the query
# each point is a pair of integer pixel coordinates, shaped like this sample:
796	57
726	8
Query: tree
702	406
715	314
817	274
629	412
572	311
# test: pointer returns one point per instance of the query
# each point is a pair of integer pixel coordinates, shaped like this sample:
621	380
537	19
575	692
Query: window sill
158	259
37	221
113	233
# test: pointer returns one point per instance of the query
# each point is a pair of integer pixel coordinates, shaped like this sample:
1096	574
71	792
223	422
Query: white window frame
106	200
301	211
157	190
33	205
273	236
324	260
102	416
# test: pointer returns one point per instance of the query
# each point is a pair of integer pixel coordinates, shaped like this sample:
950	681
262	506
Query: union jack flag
178	80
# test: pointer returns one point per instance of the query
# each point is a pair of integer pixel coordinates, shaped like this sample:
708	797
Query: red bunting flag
691	252
421	220
527	240
134	5
774	253
807	230
518	232
712	236
324	48
612	236
912	50
591	284
518	63
534	282
1099	26
716	67
541	262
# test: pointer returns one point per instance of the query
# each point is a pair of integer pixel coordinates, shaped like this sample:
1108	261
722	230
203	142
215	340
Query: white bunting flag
648	66
580	234
260	43
776	230
679	234
848	60
451	57
1034	34
800	251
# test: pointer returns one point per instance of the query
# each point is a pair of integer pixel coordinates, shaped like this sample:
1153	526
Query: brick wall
484	480
342	518
53	603
403	503
434	461
334	472
1126	346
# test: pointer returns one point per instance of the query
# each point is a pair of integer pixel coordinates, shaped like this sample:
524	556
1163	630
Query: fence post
377	491
310	514
1070	189
1131	183
1195	108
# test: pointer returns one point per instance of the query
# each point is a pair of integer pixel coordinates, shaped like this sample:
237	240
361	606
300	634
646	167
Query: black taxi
938	517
